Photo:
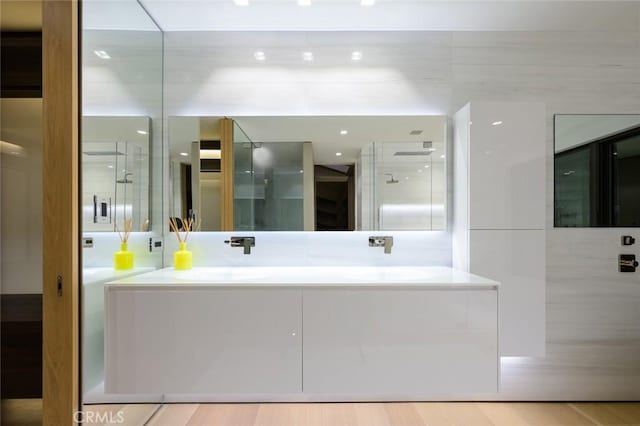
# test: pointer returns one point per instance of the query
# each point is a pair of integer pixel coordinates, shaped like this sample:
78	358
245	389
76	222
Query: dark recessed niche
21	64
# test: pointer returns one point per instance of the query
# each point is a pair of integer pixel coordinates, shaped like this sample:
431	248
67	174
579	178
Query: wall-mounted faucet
245	242
386	242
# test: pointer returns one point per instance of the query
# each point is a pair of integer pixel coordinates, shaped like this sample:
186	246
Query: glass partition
244	181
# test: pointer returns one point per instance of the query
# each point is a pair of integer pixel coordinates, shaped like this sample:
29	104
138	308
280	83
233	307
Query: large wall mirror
597	163
340	173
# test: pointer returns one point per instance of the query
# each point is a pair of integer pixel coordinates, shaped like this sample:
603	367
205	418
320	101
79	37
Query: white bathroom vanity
302	334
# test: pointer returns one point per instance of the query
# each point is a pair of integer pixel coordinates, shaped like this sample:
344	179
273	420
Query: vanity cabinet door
200	341
400	343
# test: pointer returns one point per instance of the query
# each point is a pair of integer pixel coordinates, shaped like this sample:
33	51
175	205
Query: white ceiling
394	15
115	15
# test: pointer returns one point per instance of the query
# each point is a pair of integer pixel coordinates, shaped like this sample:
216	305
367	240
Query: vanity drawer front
400	342
203	341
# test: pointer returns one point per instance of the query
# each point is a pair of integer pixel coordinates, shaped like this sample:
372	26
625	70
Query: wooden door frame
226	167
61	263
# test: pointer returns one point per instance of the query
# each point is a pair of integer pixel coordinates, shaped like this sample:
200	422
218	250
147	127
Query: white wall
21	192
593	320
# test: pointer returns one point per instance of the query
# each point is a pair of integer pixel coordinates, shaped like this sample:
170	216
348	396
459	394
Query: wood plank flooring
376	414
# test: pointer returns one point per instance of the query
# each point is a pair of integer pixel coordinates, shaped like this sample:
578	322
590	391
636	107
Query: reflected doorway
335	197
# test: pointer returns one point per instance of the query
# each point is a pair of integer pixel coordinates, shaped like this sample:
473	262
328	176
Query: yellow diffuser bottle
182	259
123	259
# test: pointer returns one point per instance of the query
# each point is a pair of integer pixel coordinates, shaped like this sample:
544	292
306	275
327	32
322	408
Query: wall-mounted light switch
627	262
155	244
87	242
628	240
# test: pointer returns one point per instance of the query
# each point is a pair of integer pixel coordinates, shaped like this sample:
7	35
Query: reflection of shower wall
400	192
438	196
100	176
365	175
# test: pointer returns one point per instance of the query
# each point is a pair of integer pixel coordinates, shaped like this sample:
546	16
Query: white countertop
305	276
94	275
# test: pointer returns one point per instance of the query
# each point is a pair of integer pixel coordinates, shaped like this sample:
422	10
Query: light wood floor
376	414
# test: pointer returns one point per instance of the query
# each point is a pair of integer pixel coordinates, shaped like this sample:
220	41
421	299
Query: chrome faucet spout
245	242
383	241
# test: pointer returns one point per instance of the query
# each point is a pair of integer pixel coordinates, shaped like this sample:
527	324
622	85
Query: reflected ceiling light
210	154
307	56
102	54
11	148
142	132
184	154
496	123
110	166
367	2
442	156
338	154
260	56
304	2
301	171
426	167
343	132
241	2
356	56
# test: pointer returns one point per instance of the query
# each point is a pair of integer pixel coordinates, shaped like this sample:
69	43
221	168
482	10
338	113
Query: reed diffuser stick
124	235
187	225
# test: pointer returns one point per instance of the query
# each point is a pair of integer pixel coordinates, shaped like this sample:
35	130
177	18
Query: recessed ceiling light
102	54
343	132
406	177
110	166
496	123
368	2
307	56
184	154
426	167
142	132
241	2
304	2
442	156
260	56
338	154
356	56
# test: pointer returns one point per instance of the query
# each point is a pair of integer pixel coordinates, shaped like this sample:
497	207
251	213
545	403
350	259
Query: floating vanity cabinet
499	212
301	334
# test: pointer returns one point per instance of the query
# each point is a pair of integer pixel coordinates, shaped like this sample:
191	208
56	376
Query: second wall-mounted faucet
385	241
245	242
